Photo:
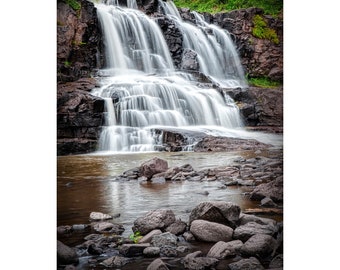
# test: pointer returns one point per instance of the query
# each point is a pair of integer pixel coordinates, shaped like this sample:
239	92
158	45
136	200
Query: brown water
85	183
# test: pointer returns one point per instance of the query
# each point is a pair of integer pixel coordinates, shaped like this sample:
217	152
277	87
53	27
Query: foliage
135	237
73	4
261	30
264	82
67	63
270	7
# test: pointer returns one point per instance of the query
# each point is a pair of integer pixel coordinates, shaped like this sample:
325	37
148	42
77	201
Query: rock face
79	41
79	117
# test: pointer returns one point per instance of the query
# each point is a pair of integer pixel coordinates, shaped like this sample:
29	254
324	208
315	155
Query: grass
73	4
270	7
264	82
261	30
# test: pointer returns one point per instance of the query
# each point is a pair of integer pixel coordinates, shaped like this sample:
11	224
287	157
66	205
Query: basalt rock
79	117
79	41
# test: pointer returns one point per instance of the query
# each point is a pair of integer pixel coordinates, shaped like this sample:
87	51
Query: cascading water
216	53
141	88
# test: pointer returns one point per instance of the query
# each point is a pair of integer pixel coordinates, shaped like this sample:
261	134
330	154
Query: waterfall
142	90
216	52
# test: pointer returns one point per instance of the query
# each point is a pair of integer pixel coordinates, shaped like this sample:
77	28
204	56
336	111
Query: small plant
264	82
135	237
261	30
73	4
67	63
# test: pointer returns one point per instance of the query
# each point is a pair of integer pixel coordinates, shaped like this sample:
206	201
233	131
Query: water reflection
85	183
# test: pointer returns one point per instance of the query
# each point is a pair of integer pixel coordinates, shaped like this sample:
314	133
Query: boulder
65	254
177	228
194	261
133	250
157	264
154	219
153	166
99	216
216	211
108	227
210	231
250	264
150	252
148	237
244	232
115	261
259	245
273	190
222	250
164	239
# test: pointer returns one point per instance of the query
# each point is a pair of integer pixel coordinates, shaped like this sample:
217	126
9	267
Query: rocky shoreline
215	235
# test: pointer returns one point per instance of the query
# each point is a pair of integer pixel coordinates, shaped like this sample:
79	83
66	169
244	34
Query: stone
150	252
153	166
157	264
244	232
99	216
133	250
245	218
273	190
210	231
108	227
222	250
268	202
250	264
65	254
277	261
164	239
216	211
148	237
259	245
194	261
177	228
154	219
115	261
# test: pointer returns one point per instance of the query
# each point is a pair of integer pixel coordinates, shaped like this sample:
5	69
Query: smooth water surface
85	183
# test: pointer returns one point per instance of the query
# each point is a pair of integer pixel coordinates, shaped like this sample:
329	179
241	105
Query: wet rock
115	261
148	237
157	264
273	190
221	212
168	251
245	218
177	228
224	144
244	232
188	236
94	250
108	227
268	202
133	250
153	166
154	219
194	261
151	252
64	229
164	239
65	254
261	245
250	264
99	216
210	231
222	250
277	262
189	60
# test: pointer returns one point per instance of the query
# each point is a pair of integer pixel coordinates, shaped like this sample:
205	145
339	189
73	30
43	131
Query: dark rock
164	239
151	252
221	212
133	250
147	238
115	261
94	250
261	245
157	264
222	250
153	166
154	219
245	218
244	232
189	60
177	228
65	254
277	262
250	264
268	202
210	231
193	261
273	190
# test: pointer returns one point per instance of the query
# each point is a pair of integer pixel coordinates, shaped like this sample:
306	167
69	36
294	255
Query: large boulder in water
153	166
65	254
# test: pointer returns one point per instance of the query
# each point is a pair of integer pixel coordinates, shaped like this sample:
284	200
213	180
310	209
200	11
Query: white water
215	50
148	92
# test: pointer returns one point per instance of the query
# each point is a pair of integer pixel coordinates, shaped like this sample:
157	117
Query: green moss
270	7
261	30
73	4
264	82
67	63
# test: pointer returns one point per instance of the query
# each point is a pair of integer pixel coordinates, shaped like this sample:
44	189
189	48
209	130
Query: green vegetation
67	63
73	4
270	7
135	237
261	30
264	82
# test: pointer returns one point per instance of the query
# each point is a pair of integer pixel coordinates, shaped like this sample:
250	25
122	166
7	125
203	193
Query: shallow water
85	183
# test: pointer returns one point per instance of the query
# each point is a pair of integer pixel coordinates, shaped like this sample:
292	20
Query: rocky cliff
80	54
